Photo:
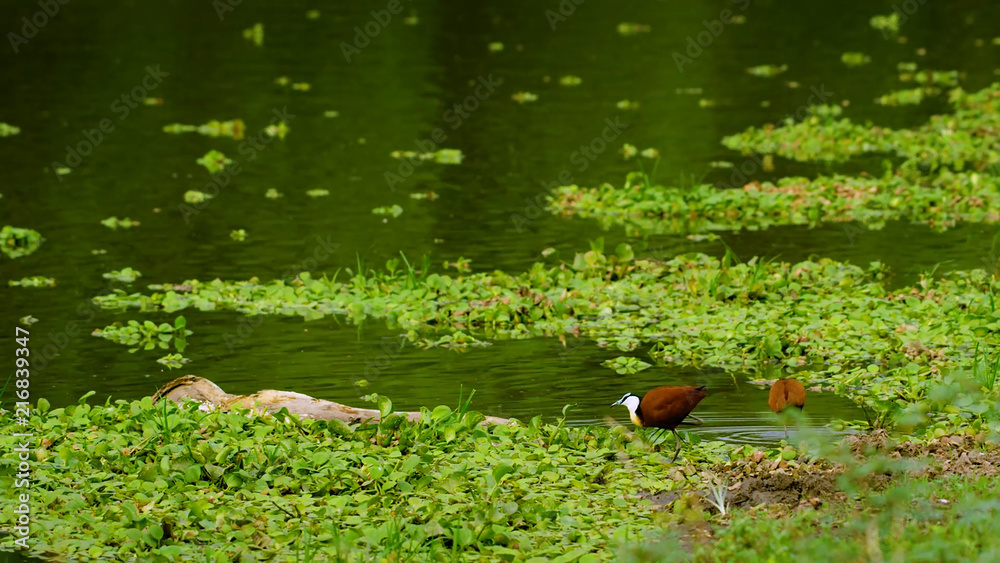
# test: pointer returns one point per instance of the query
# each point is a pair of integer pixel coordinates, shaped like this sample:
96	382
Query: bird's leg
677	450
785	425
697	421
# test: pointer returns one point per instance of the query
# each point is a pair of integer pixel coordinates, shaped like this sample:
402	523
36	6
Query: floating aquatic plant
195	196
626	365
391	211
173	361
886	24
524	97
255	34
570	80
16	242
147	335
234	128
214	161
855	59
239	235
272	193
126	275
6	130
318	192
33	281
628	29
115	223
767	71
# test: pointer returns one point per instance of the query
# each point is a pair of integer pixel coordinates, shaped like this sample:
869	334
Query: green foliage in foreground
163	482
955	518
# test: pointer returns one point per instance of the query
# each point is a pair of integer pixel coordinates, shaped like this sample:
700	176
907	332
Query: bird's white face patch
630	401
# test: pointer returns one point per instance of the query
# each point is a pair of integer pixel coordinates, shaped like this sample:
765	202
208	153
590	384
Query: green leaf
384	406
501	470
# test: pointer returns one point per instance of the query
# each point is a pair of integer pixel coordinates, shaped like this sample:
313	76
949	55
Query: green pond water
391	96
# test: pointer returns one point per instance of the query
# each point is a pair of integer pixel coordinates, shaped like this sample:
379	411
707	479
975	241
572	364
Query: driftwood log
203	391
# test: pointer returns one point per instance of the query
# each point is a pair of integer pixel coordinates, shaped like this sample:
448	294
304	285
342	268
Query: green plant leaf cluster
148	335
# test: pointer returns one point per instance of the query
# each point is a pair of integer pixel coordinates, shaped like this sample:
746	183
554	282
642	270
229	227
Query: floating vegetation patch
443	156
940	201
255	34
943	78
627	29
7	130
272	193
855	59
126	275
907	97
173	361
239	235
963	140
151	101
33	281
279	130
888	25
16	242
331	113
767	71
389	489
318	192
195	196
390	211
114	223
626	365
495	47
627	105
429	196
214	161
570	80
524	97
234	128
838	321
147	335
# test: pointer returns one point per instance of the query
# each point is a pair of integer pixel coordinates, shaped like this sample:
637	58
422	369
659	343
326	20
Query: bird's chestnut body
785	393
663	407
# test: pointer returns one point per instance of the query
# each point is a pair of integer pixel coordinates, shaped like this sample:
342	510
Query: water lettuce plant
16	242
940	173
148	335
838	324
157	481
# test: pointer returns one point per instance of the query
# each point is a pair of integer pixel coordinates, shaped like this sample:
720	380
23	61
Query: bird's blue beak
616	403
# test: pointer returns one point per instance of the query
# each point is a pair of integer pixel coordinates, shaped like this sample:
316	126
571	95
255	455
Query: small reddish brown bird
663	408
785	393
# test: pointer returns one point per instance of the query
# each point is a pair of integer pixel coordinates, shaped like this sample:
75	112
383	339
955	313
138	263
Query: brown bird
786	392
663	408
